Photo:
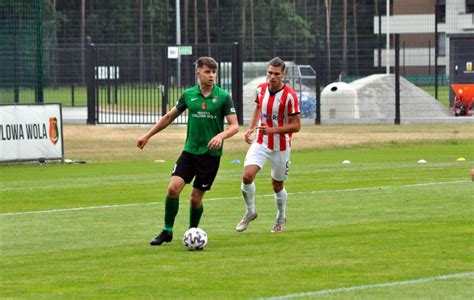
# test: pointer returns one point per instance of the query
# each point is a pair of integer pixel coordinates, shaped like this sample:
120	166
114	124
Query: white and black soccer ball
195	239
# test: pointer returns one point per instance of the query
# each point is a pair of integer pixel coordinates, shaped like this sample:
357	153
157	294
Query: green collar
212	94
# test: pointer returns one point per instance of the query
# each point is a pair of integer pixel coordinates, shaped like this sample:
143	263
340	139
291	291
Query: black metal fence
135	84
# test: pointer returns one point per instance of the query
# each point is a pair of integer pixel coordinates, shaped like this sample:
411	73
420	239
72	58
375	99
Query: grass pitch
381	227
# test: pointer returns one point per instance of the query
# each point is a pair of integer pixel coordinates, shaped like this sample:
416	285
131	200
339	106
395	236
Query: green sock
195	215
171	210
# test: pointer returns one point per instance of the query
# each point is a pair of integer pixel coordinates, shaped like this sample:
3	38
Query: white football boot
279	225
245	222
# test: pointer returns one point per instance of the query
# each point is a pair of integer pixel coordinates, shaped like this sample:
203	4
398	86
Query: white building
414	20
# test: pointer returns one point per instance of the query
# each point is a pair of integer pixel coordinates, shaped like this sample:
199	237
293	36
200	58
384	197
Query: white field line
226	198
372	286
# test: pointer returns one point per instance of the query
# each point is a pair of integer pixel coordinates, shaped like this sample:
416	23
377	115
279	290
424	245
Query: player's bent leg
249	173
280	170
281	197
175	187
196	207
195	198
248	192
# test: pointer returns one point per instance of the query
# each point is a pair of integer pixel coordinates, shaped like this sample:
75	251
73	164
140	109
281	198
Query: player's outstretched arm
162	123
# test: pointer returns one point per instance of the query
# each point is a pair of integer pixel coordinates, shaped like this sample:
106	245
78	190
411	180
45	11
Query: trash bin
339	101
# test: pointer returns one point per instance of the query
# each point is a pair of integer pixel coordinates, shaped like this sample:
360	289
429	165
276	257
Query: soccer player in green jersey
207	106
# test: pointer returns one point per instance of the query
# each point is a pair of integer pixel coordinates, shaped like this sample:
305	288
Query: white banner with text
31	132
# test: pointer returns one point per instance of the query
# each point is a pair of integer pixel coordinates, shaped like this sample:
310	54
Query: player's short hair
206	61
277	62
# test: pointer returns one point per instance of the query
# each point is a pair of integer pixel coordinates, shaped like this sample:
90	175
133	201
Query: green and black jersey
205	117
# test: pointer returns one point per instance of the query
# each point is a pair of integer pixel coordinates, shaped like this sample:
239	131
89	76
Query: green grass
443	93
62	94
65	94
382	219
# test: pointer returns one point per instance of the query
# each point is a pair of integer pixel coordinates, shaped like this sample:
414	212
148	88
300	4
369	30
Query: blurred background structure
45	46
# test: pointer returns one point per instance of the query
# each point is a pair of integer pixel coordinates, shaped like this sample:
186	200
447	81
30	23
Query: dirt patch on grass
110	143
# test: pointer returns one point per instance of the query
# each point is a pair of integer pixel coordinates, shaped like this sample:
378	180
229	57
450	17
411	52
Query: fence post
272	30
16	88
39	53
90	81
397	79
317	120
237	81
436	50
379	56
165	81
429	57
73	85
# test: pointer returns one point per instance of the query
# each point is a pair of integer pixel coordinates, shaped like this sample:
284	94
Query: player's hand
248	136
141	142
265	129
215	143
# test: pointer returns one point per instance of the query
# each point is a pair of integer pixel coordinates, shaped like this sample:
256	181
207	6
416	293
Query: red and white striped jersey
276	107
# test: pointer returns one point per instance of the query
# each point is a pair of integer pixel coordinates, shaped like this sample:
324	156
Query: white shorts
280	160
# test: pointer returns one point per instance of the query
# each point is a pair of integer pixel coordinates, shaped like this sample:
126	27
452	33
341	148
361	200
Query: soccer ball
195	239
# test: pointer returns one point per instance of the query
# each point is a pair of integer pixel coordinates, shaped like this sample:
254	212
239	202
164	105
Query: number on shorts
174	168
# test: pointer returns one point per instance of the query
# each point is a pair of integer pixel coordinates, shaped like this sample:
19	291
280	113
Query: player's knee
247	178
195	202
196	198
277	186
173	191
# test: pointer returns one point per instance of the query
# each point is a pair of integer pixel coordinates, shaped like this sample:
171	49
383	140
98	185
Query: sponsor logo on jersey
273	117
203	114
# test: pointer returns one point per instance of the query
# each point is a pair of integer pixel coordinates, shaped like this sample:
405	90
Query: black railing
137	84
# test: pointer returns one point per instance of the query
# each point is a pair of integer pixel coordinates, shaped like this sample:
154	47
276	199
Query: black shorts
204	167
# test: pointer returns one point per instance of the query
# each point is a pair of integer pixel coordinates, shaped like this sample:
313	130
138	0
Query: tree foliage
282	27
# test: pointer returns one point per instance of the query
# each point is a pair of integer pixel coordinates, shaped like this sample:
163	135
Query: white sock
280	201
248	191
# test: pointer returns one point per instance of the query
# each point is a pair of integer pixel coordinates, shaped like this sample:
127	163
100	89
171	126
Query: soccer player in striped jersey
275	118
